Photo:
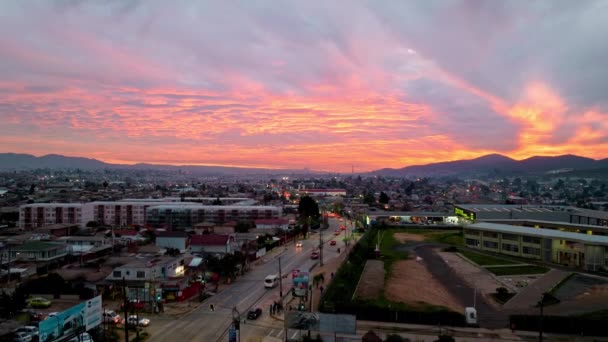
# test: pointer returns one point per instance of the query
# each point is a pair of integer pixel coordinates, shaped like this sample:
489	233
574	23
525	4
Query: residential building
323	192
277	223
35	251
38	215
212	244
179	240
156	269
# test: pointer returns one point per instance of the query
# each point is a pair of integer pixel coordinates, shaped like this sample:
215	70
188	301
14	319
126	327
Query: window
530	239
116	274
490	235
472	242
531	250
490	244
507	247
472	232
511	237
141	274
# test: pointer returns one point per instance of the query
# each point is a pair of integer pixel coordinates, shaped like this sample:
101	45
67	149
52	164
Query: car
134	304
28	329
84	337
254	314
39	303
135	320
337	232
299	244
341	219
111	317
22	337
342	227
314	255
332	243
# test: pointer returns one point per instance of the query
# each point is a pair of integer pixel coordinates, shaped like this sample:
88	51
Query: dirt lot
407	237
371	282
411	283
581	294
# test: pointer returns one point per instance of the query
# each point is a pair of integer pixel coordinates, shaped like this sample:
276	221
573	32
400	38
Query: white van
271	281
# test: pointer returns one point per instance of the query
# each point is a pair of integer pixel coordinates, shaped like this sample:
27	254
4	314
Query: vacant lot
408	237
412	284
371	283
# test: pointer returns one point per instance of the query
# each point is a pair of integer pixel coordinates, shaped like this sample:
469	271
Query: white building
272	224
148	270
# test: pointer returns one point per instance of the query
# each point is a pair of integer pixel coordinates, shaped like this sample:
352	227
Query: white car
299	244
84	337
28	329
111	317
134	321
22	337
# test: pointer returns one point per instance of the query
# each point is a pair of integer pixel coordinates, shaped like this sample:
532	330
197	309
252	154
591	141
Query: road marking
271	332
294	335
281	332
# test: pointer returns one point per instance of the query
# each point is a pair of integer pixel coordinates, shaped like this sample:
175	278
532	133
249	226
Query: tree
242	227
105	184
308	207
92	224
393	338
383	198
369	198
217	201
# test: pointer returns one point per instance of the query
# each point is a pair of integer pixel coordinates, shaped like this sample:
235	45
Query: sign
75	320
300	283
464	213
232	334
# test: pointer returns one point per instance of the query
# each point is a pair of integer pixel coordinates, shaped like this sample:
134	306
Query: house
36	251
272	224
212	243
128	235
153	269
178	240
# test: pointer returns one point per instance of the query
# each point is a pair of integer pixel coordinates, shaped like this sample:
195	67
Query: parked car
314	255
134	304
111	317
39	303
254	314
28	329
136	321
332	243
84	337
22	337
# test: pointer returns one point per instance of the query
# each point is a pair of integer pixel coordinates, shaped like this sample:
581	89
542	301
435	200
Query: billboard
300	283
79	318
342	324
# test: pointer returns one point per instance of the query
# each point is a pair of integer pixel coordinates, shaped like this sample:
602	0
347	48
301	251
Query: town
167	252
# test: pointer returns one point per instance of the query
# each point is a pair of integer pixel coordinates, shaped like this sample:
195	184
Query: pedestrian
270	309
321	289
332	275
338	250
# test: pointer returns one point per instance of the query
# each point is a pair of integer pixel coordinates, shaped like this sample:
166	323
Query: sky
324	85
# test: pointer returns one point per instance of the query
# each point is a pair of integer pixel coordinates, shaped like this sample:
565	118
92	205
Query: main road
245	293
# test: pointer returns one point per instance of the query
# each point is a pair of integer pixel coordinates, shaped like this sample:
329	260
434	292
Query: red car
337	232
332	243
342	227
314	255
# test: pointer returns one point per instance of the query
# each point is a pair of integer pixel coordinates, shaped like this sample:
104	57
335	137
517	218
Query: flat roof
556	224
214	207
539	232
411	213
36	246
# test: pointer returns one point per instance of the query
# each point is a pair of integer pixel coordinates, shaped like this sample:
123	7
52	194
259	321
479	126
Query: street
245	293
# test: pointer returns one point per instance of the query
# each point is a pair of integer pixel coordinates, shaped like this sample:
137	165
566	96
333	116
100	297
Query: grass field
387	249
517	270
485	260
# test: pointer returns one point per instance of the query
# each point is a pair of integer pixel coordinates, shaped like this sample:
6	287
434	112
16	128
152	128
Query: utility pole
540	321
126	304
280	282
320	246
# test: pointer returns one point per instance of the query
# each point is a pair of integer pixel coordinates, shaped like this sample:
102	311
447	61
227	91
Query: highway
245	293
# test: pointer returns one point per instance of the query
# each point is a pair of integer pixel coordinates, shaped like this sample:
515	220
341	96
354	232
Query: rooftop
34	246
540	232
210	240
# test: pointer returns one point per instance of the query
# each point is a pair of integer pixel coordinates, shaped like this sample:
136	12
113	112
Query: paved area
528	296
466	294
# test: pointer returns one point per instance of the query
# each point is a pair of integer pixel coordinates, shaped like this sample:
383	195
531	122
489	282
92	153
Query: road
245	293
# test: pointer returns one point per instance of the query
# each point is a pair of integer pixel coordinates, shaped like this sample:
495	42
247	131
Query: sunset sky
294	84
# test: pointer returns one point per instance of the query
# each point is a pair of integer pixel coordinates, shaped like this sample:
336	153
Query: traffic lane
487	316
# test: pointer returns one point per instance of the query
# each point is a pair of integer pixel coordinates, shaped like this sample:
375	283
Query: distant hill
16	161
496	164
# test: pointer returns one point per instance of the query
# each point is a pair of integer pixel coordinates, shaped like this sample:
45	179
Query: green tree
394	338
369	198
383	198
308	207
242	227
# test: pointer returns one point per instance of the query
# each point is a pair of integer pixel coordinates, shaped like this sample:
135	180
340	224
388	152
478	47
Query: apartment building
185	216
39	215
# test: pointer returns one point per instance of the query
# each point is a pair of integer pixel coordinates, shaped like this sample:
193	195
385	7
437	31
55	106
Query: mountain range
492	164
497	164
